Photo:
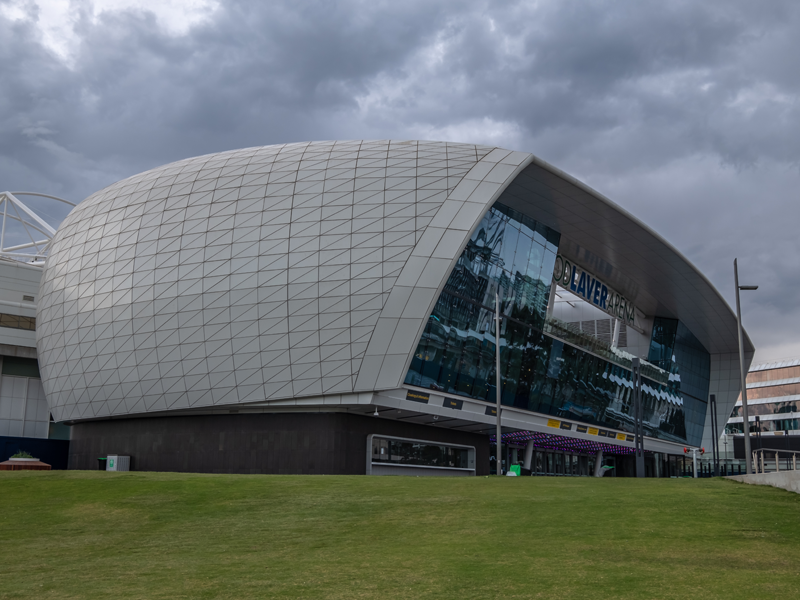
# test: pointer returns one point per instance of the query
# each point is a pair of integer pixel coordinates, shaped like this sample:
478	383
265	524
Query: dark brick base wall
296	443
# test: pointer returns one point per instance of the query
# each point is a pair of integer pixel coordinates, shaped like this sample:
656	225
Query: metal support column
638	413
526	463
712	405
598	464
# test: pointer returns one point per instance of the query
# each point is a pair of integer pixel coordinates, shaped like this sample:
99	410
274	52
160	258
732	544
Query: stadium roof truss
22	218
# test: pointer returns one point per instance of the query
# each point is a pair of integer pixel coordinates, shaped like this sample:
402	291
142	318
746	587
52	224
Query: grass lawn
83	534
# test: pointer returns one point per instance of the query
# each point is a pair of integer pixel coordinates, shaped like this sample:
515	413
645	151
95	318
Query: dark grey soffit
618	248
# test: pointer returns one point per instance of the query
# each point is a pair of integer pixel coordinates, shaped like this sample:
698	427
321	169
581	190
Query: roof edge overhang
705	290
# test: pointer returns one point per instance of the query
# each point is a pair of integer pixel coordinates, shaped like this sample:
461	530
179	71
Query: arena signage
591	289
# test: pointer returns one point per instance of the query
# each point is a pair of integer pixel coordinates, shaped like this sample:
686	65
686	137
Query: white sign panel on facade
590	288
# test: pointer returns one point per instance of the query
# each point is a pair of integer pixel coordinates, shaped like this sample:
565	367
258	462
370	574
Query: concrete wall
786	480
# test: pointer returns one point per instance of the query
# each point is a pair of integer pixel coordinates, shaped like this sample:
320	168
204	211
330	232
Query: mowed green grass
166	535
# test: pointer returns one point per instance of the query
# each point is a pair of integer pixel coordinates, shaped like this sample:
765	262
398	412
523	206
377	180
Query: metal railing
761	460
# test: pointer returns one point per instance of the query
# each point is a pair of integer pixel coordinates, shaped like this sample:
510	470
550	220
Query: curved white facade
305	273
256	275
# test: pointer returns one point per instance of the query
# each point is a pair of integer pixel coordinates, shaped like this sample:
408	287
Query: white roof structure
789	362
18	219
309	270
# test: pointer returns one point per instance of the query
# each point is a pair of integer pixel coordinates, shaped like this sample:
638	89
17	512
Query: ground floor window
420	453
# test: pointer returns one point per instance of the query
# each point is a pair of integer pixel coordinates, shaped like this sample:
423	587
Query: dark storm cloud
685	113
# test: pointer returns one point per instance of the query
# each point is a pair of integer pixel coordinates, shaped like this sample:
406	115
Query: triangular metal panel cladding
399	224
303	323
337	198
367	301
339	185
397	253
335	368
334	226
368	211
303	306
334	257
275	365
367	240
334	303
334	351
401	209
337	212
224	395
432	183
360	333
334	385
304	339
364	318
334	272
307	387
357	350
334	288
367	225
340	173
277	389
335	241
370	270
302	356
331	320
279	384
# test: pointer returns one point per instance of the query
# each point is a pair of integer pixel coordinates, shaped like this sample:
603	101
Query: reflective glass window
770	408
540	373
407	452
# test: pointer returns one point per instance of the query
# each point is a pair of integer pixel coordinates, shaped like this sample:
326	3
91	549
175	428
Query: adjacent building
773	402
25	422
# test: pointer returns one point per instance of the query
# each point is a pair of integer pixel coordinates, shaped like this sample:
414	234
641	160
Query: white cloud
55	20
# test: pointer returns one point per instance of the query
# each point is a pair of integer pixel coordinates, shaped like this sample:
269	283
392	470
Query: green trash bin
101	463
515	469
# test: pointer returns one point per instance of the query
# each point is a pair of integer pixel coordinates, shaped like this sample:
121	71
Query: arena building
328	307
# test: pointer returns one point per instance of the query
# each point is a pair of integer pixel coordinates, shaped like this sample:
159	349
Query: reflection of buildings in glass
773	395
456	352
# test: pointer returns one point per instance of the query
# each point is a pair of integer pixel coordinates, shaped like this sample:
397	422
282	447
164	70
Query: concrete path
787	480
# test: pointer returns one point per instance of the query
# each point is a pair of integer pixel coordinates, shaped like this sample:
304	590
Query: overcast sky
685	113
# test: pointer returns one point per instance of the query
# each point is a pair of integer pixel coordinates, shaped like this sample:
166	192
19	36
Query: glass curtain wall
513	256
676	350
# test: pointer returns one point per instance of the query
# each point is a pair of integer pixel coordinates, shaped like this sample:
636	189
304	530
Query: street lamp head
748	287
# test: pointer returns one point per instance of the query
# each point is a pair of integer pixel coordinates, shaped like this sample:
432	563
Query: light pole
499	433
725	441
745	416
